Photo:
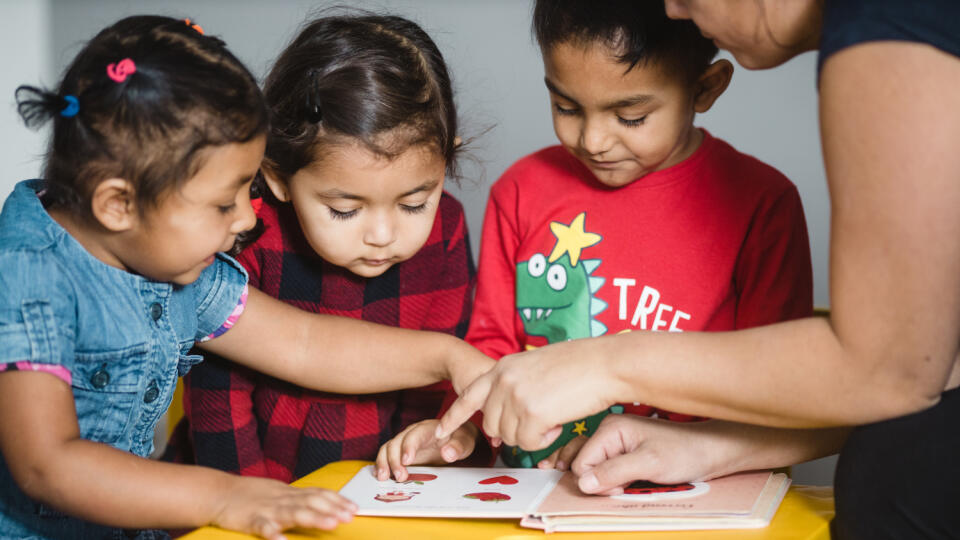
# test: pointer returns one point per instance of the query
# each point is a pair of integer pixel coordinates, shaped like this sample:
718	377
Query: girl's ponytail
37	106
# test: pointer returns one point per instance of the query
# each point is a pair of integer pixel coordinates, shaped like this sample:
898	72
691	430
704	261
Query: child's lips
376	262
605	164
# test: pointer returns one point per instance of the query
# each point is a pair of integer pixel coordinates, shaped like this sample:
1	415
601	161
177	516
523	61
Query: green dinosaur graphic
556	299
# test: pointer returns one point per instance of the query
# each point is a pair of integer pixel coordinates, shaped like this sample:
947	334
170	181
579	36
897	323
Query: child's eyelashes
572	111
337	214
226	208
632	122
414	209
406	208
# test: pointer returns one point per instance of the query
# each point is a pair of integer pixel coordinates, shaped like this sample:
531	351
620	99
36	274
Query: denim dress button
156	310
152	393
100	378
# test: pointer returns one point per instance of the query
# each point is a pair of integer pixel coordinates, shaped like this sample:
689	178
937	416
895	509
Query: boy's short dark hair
639	30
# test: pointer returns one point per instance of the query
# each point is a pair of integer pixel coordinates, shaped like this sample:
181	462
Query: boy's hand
561	458
465	363
267	507
416	445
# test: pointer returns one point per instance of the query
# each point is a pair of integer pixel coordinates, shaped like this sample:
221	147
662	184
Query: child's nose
246	218
594	138
380	231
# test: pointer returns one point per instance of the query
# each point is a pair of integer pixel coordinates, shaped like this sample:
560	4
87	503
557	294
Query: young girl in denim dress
354	222
112	270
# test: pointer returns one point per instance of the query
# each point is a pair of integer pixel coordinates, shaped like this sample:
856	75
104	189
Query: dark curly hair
358	77
188	92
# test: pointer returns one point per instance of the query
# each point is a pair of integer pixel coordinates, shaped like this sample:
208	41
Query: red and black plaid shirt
252	424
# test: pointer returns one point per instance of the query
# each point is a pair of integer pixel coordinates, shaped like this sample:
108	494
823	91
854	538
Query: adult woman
890	123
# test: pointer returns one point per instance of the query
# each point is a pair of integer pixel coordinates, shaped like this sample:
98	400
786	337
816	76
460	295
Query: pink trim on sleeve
57	371
232	319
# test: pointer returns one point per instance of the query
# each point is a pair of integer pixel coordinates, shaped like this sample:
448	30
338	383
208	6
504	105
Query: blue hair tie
72	107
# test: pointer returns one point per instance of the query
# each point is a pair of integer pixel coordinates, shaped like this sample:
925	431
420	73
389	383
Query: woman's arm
340	354
891	128
41	444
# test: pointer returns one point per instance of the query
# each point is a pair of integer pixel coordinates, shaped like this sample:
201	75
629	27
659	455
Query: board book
551	500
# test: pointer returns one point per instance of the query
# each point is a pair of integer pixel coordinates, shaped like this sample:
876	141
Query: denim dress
119	339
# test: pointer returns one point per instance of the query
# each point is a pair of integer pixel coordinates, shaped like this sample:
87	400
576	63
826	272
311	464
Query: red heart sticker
508	480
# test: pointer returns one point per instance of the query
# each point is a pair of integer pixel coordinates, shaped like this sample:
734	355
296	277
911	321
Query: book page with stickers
451	492
551	500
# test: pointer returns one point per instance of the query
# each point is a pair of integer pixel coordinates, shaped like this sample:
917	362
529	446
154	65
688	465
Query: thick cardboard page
550	500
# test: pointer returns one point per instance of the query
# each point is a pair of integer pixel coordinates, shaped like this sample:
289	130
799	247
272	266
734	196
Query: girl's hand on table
267	507
417	445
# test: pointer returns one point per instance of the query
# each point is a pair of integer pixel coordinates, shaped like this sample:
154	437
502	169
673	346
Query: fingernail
449	454
561	466
344	516
588	482
438	433
407	459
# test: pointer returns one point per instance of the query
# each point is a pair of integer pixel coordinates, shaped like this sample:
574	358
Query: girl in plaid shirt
354	222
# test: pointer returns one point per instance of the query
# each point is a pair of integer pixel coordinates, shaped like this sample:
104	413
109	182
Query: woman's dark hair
187	93
639	30
379	80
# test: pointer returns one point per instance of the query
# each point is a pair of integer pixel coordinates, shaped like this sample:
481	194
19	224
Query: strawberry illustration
488	496
419	478
504	479
396	496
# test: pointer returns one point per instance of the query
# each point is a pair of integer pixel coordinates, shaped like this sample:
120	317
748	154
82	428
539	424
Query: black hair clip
314	113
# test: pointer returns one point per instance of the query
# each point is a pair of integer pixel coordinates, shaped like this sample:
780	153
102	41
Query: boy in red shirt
638	220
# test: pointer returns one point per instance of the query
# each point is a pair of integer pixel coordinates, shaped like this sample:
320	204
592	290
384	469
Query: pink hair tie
121	70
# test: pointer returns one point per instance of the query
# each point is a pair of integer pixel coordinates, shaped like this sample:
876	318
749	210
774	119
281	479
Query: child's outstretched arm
50	462
343	355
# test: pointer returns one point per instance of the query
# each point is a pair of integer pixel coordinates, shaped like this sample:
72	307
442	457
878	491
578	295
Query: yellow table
804	515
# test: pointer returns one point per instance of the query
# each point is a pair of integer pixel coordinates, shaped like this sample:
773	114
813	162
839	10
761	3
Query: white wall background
498	78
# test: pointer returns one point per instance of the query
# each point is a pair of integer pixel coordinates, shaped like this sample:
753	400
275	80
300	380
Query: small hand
417	445
561	458
267	507
626	448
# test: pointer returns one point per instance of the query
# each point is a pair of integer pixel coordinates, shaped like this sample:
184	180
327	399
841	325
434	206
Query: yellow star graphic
571	239
580	427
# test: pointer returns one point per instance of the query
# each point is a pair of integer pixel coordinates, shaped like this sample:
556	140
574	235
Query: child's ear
278	188
711	83
114	204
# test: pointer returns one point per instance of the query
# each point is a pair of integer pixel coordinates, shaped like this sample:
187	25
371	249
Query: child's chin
368	271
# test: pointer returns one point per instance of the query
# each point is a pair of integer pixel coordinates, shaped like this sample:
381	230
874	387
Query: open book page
734	494
451	492
742	510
